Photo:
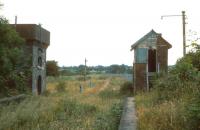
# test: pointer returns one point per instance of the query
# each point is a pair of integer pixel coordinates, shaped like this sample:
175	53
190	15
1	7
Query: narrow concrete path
128	120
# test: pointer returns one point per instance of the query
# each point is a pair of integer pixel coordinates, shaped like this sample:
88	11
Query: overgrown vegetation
127	88
60	87
97	108
110	119
14	73
52	68
174	101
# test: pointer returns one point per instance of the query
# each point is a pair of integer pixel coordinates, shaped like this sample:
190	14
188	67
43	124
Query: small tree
52	68
14	74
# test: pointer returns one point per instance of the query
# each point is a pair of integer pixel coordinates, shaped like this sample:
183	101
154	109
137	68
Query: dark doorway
39	85
152	60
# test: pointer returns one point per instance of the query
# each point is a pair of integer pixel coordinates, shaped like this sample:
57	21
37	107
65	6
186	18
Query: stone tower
37	40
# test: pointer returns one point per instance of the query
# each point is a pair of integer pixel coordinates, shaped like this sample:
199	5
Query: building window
40	61
141	55
40	50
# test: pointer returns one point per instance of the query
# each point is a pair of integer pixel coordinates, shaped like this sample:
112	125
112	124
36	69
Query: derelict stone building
150	57
37	40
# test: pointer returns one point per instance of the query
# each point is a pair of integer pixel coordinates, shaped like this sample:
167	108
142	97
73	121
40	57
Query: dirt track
96	90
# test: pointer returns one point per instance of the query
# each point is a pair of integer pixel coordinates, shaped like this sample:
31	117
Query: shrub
173	85
14	72
185	71
165	116
46	93
126	88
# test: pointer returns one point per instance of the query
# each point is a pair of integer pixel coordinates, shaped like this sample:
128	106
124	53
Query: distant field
63	107
128	77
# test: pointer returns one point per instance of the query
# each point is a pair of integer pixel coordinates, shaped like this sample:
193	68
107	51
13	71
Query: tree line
54	70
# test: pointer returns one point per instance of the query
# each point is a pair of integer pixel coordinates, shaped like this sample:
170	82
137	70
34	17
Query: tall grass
173	103
43	113
66	110
166	115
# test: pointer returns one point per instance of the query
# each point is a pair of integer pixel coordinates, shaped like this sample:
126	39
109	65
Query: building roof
152	32
33	32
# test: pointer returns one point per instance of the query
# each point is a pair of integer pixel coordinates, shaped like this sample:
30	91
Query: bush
126	88
45	114
192	57
14	72
165	116
185	71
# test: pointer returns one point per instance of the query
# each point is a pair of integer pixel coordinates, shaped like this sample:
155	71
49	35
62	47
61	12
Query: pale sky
104	30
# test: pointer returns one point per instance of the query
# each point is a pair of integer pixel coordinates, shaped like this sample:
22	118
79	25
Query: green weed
109	120
72	110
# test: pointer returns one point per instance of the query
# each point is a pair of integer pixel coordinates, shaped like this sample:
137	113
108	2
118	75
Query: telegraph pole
184	23
85	69
184	37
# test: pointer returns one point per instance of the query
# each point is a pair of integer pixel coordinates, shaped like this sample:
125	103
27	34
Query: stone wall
38	69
